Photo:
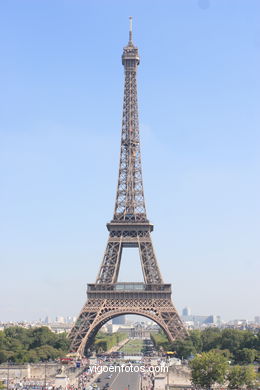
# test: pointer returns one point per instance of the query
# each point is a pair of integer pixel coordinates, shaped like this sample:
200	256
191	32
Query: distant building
197	321
257	319
186	311
209	320
119	320
69	320
218	321
60	320
112	328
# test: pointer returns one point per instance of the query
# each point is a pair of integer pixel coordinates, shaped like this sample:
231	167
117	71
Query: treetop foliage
209	368
239	346
21	345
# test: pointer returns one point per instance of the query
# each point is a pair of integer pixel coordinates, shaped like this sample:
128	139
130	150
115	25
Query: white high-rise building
60	319
186	311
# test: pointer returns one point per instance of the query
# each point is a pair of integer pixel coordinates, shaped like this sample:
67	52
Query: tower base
112	300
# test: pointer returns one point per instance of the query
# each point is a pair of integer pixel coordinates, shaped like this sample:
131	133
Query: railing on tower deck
131	287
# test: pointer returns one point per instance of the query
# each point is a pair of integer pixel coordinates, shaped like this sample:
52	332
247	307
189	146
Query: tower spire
130	30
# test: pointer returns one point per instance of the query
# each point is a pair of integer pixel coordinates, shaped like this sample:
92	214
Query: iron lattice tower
128	228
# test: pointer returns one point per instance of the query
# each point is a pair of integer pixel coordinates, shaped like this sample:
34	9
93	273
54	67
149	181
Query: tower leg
110	266
149	263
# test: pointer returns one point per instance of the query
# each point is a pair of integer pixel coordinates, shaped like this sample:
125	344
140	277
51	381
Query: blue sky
60	116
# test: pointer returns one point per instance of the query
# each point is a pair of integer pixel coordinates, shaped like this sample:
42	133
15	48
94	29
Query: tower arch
89	338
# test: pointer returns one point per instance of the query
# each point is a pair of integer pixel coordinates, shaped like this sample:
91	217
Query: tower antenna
130	29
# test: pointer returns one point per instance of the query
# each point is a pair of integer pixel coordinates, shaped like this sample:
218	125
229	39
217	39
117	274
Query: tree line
104	341
210	368
238	346
21	345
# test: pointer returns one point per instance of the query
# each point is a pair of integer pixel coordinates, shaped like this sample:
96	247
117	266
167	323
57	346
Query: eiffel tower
129	228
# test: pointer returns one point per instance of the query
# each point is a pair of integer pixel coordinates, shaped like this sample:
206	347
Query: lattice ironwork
129	228
97	312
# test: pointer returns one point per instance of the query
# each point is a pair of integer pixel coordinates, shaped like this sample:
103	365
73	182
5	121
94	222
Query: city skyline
199	134
134	318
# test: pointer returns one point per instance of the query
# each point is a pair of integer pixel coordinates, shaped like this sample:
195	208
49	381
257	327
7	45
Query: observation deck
129	291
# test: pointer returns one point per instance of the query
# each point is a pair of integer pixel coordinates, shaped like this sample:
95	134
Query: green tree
47	352
2	339
21	345
3	356
239	377
62	342
32	356
13	344
211	339
224	352
160	340
18	334
249	340
20	356
42	336
257	341
231	339
246	355
208	368
183	348
106	341
195	336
